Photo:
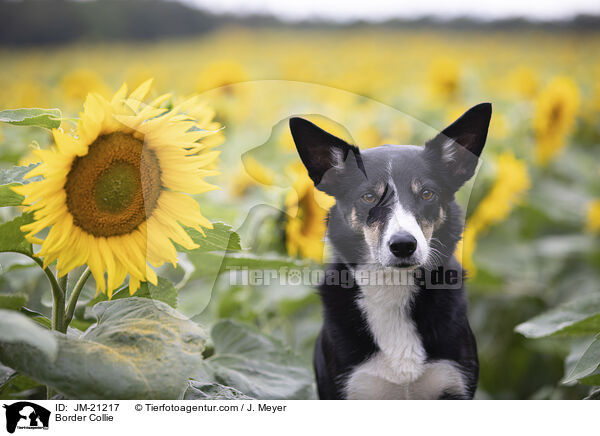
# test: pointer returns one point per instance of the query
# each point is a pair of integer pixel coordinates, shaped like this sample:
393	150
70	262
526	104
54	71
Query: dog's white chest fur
399	370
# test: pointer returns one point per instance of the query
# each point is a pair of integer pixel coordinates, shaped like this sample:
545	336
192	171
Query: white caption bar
300	417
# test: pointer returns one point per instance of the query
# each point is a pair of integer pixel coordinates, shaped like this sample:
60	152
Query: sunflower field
142	184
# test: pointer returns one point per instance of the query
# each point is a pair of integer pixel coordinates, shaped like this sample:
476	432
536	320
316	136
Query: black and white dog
395	212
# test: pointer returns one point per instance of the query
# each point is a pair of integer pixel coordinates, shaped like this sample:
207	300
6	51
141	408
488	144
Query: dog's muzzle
403	245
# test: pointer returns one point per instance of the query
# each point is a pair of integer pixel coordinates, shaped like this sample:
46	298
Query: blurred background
377	73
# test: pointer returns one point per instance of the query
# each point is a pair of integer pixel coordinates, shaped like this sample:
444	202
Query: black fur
440	315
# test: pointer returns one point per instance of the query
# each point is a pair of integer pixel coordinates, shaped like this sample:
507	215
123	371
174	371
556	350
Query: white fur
399	369
404	220
337	159
449	151
401	357
439	377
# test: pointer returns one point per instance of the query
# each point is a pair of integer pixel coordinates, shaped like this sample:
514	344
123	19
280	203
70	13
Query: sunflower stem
75	296
58	308
64	282
58	292
58	297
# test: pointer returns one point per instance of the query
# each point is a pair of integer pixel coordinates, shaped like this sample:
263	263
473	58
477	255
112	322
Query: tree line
35	22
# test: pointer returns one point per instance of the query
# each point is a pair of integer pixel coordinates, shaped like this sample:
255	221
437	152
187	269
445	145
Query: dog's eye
369	197
426	194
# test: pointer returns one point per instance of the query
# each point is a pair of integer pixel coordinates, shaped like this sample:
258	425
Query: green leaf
163	291
252	261
11	177
21	386
6	375
579	317
16	328
12	301
8	197
587	364
215	263
219	238
212	391
594	395
139	348
12	238
47	118
255	364
17	175
591	380
43	321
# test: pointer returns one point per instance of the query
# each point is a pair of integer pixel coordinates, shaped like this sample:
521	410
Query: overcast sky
344	10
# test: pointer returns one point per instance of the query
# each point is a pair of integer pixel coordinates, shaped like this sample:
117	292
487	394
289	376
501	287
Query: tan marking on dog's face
378	190
428	227
354	220
416	186
441	219
372	235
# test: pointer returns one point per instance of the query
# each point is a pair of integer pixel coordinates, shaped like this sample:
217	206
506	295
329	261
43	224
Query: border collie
399	329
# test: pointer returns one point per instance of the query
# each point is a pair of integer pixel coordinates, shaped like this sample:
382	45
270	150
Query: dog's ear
323	154
459	145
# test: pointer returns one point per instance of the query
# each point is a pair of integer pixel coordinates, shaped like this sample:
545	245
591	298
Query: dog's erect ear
459	145
323	154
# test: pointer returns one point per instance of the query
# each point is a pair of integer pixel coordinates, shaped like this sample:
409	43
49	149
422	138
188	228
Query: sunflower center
556	113
114	187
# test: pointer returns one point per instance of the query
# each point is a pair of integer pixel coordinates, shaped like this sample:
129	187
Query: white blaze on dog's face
403	231
394	204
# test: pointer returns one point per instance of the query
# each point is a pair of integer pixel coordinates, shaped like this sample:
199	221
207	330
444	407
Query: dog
395	213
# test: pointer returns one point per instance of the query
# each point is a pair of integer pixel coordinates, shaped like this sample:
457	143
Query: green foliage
587	364
141	348
16	328
9	178
14	385
220	237
138	349
212	391
12	238
163	291
46	118
12	301
217	262
255	364
579	317
8	197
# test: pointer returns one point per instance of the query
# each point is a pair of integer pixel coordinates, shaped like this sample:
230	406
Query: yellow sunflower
593	216
251	174
444	78
114	194
511	183
307	209
556	109
523	81
78	83
221	74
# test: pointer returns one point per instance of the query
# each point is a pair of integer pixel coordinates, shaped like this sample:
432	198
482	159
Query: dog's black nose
403	244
